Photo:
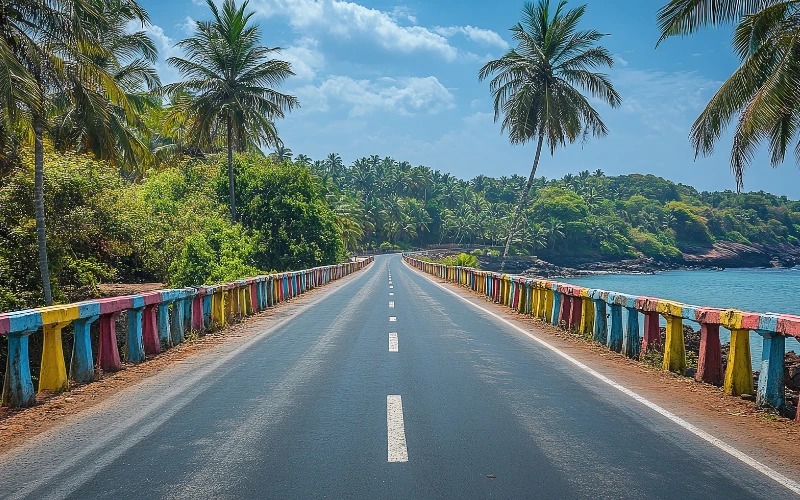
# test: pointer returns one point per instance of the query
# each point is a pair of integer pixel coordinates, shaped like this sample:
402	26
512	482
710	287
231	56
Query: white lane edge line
394	345
395	430
747	459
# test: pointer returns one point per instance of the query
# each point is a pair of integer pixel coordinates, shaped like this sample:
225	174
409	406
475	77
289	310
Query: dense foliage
172	227
591	214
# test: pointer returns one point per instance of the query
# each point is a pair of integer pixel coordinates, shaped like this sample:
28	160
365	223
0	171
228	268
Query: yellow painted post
739	372
248	300
53	372
587	314
218	308
674	348
548	304
230	304
242	296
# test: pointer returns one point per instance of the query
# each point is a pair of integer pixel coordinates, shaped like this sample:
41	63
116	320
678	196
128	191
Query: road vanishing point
383	385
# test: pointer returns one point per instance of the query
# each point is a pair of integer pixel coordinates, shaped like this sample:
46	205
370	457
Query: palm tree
229	85
303	159
554	231
281	153
334	165
598	173
85	119
764	92
43	50
536	84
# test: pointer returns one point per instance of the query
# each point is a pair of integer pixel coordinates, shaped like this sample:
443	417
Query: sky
400	78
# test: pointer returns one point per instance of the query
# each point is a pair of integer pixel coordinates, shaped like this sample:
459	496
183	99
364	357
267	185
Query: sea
775	290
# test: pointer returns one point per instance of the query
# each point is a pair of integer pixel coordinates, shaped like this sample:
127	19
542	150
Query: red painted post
566	306
577	311
652	333
709	361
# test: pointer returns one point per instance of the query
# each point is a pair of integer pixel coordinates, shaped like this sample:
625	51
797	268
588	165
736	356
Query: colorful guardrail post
709	358
18	385
739	370
53	372
600	329
556	306
81	366
616	333
134	347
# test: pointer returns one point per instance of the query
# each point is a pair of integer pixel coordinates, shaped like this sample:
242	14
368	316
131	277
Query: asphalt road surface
376	390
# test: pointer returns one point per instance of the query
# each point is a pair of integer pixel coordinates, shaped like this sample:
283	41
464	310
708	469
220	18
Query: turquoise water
757	290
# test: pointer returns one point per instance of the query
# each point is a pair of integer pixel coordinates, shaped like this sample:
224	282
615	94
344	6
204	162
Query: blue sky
399	78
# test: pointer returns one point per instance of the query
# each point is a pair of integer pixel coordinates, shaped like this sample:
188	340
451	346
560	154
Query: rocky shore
722	255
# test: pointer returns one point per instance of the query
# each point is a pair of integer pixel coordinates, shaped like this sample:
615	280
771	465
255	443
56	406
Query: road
327	403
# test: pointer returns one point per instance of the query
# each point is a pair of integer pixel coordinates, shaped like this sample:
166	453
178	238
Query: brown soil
771	439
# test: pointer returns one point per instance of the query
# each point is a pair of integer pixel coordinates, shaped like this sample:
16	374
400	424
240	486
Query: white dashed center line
393	345
392	318
391	294
396	431
391	304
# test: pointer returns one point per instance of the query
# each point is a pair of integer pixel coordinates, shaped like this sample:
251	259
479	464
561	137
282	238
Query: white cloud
400	13
619	60
188	25
663	100
306	59
406	96
166	49
349	20
477	35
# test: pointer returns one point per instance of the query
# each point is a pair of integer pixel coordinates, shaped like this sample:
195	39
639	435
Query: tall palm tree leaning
764	91
536	85
229	80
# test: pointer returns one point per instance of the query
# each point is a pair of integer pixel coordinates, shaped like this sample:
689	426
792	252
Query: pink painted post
108	356
150	330
197	312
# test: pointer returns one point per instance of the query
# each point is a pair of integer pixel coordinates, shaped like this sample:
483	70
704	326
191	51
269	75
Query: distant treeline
392	203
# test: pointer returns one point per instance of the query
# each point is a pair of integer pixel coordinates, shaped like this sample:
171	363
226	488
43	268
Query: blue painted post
615	339
81	366
207	309
187	313
556	307
632	344
18	387
177	322
771	381
600	331
134	347
164	337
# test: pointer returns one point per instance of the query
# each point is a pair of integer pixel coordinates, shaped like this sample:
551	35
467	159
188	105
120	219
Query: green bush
284	207
462	259
477	252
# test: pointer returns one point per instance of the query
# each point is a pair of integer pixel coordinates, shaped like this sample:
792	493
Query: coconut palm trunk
38	193
230	170
522	200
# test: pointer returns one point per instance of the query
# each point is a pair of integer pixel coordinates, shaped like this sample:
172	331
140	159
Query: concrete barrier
586	310
155	321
